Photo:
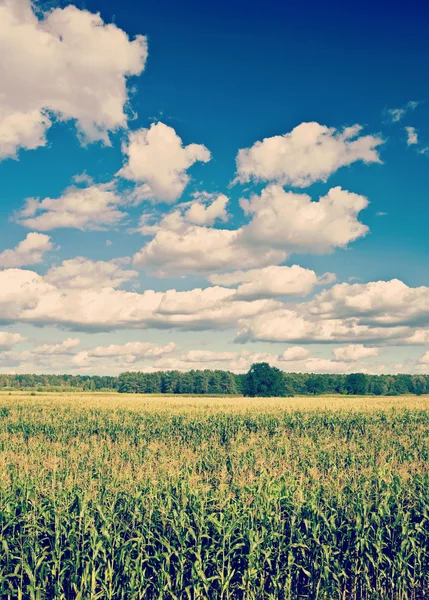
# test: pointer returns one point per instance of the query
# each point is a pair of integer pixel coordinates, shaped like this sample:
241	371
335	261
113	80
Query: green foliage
264	381
276	505
212	382
177	382
357	384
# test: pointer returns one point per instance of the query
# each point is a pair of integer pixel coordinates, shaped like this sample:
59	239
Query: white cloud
282	222
28	252
355	352
137	349
396	114
207	356
181	248
269	282
83	178
67	66
82	273
385	303
128	353
90	208
26	296
418	337
309	153
295	325
201	213
66	347
379	311
7	340
294	223
412	137
294	353
158	161
240	362
424	360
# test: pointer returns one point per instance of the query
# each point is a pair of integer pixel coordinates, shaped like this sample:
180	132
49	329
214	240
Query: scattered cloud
206	209
91	208
294	223
383	303
68	65
128	353
294	353
412	137
157	161
83	178
180	248
281	223
296	325
28	252
355	352
424	360
269	282
67	347
28	297
7	340
396	114
84	274
375	313
309	153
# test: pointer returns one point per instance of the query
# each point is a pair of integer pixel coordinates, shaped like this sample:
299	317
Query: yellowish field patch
150	403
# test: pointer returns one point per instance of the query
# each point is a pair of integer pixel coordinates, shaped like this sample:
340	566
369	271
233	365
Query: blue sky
83	95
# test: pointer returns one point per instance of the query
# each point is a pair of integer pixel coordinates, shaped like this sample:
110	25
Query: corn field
126	499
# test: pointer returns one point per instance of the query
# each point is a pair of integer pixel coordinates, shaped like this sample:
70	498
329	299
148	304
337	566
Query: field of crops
108	496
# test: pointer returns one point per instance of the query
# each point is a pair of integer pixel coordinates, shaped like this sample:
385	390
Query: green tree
264	380
316	384
357	384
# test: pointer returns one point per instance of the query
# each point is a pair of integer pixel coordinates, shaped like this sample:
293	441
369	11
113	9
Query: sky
207	185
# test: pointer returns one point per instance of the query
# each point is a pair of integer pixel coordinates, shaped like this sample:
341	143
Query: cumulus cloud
375	312
412	136
269	282
294	353
424	360
206	209
309	153
66	347
396	114
27	297
281	223
419	337
128	353
82	273
355	352
68	65
384	303
7	340
91	208
28	252
181	248
295	325
157	161
294	223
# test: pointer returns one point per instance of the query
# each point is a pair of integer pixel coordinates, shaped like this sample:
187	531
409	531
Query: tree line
261	380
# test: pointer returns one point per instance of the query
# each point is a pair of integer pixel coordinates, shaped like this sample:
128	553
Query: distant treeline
58	382
220	382
225	382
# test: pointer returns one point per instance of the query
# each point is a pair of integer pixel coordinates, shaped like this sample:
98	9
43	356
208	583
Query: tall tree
264	380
